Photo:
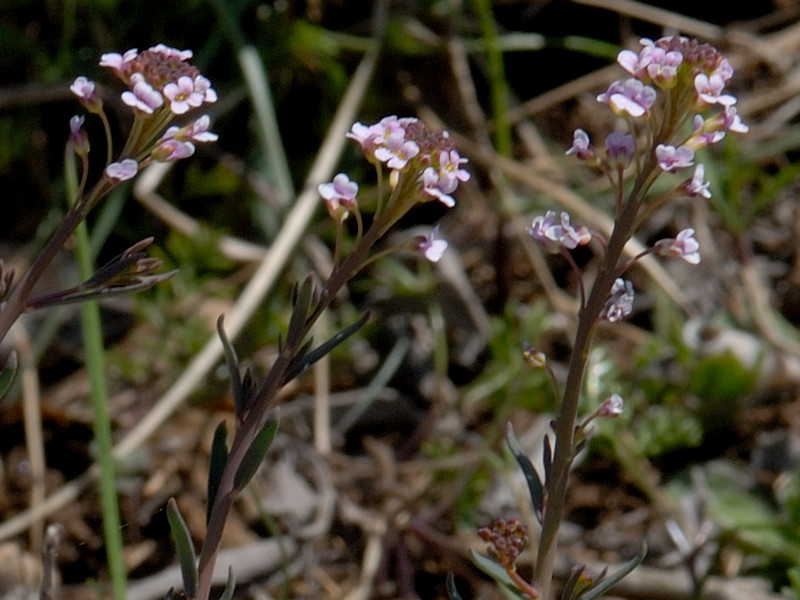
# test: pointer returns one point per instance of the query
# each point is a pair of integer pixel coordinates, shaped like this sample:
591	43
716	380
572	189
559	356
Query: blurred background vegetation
710	382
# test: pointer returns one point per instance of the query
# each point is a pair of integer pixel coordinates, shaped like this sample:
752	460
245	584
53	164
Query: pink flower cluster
161	85
684	75
406	145
160	74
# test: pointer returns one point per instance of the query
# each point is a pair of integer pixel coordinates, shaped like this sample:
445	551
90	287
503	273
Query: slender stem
253	421
563	454
17	301
101	425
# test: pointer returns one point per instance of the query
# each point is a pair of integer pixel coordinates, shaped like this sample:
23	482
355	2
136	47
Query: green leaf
8	373
233	370
607	583
219	458
494	570
535	487
184	548
452	592
230	586
302	304
304	360
256	453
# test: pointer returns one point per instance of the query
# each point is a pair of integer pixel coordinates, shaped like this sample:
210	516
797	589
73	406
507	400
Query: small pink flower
431	247
120	63
684	246
620	303
397	151
569	236
671	158
339	196
450	167
709	90
183	96
173	53
142	97
697	185
555	237
438	188
663	67
630	96
196	132
538	231
86	92
170	150
733	122
581	146
122	171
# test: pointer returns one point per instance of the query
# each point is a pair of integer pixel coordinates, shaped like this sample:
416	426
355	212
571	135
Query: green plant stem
17	301
564	452
255	417
502	130
91	329
95	363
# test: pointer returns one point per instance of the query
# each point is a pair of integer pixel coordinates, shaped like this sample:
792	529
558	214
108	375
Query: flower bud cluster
508	538
161	84
673	81
423	166
406	146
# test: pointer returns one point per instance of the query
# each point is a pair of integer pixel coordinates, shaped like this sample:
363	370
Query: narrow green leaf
300	312
255	453
233	369
452	592
494	570
184	548
230	586
607	583
306	360
535	487
219	458
8	373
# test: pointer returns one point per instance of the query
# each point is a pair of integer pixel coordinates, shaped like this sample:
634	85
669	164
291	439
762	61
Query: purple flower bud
611	407
620	148
78	137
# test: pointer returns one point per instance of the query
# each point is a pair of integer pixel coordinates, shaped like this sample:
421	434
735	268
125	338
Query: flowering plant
672	104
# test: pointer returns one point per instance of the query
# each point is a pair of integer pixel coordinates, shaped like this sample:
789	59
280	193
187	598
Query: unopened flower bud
611	407
78	136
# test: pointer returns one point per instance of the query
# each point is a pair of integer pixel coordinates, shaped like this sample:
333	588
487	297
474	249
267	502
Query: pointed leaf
607	583
535	487
306	360
233	369
8	373
547	458
452	592
230	586
494	570
255	453
184	548
297	323
219	458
